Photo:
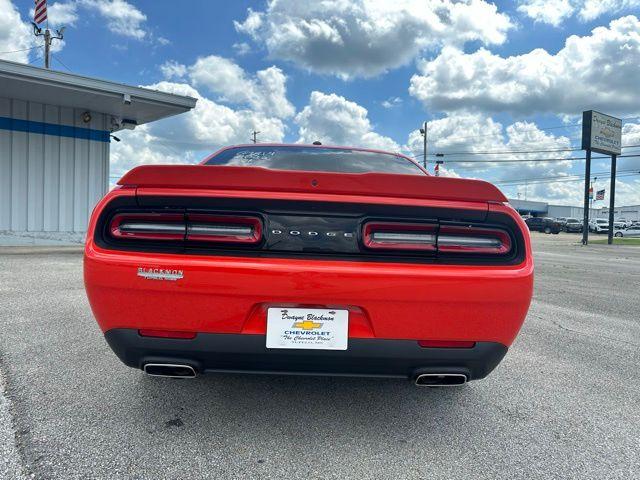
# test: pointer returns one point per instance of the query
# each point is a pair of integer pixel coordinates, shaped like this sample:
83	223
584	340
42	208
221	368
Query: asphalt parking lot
565	402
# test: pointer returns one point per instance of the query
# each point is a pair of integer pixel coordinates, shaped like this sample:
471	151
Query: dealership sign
601	133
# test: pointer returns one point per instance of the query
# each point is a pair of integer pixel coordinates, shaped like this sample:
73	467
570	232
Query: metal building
544	209
55	132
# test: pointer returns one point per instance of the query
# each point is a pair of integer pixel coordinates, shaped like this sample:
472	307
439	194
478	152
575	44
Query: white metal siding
50	183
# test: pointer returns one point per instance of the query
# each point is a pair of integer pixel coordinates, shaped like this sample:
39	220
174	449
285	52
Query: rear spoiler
262	179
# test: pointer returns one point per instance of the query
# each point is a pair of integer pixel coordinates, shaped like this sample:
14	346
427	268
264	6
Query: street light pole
423	132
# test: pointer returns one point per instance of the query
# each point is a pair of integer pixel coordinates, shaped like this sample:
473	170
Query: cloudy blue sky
489	77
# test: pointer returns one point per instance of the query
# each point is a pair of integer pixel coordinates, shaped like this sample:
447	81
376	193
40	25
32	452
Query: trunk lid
262	179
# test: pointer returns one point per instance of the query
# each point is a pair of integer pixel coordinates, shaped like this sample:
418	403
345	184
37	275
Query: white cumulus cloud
597	71
554	12
265	92
368	37
332	119
16	37
241	48
172	69
187	138
60	13
122	17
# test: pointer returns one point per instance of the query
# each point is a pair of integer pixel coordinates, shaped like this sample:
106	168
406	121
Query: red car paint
231	294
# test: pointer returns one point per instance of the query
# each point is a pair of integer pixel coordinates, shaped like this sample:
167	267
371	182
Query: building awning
133	105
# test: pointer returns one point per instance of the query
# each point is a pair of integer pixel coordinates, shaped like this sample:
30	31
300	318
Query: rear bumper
221	295
210	352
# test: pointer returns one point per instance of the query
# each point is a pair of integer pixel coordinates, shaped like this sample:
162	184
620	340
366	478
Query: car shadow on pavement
286	405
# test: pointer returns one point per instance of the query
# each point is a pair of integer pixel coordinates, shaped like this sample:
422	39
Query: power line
533	160
519	131
554	127
558	180
21	50
56	58
565	177
502	152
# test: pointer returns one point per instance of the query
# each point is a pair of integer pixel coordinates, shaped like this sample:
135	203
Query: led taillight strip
471	239
189	227
395	236
435	238
148	226
223	229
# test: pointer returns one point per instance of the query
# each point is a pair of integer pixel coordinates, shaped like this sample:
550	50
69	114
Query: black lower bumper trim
210	352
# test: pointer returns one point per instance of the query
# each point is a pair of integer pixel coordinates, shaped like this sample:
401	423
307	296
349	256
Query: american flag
40	14
600	195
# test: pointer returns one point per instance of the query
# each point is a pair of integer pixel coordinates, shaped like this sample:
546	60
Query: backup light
471	239
224	229
148	226
400	236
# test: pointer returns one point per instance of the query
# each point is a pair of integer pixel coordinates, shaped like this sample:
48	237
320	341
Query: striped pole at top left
40	14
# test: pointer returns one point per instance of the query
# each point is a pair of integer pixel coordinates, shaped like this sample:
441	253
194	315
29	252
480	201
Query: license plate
307	328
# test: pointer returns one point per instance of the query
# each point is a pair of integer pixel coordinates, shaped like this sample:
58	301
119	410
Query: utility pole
254	136
423	131
48	39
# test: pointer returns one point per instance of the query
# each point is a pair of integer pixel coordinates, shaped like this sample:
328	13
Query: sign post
587	194
603	134
612	194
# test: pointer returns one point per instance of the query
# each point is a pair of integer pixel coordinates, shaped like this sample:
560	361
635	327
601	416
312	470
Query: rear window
314	159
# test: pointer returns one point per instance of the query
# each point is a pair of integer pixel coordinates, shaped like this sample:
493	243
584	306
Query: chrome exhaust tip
440	380
169	370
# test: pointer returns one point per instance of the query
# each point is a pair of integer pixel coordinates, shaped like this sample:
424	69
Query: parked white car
632	231
626	223
599	225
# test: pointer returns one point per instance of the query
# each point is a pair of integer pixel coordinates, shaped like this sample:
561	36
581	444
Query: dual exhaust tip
187	371
169	370
440	379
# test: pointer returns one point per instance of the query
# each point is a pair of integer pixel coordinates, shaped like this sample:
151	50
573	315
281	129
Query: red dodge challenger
308	259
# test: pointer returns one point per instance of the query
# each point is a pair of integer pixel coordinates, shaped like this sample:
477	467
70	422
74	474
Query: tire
618	234
547	230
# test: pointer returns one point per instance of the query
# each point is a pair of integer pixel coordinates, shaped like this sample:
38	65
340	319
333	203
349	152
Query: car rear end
196	269
573	226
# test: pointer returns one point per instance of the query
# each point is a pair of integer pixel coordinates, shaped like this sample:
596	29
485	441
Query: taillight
398	236
223	229
148	226
190	227
470	239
